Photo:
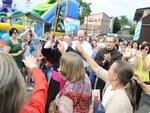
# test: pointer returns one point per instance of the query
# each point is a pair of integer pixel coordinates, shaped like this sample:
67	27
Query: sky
118	7
110	7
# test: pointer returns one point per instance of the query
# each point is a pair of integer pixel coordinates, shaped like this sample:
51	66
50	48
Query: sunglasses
109	41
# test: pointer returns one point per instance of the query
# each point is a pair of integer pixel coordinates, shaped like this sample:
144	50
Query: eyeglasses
109	41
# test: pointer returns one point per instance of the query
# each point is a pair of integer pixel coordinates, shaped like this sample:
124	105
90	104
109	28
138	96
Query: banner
38	29
71	25
137	31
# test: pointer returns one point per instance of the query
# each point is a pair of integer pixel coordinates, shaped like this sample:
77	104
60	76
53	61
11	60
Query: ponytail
125	72
131	90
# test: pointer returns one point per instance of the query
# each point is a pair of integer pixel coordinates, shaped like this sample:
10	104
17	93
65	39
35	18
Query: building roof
139	13
98	14
29	15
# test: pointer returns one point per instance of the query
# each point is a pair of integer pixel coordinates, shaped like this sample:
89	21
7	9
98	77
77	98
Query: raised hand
138	79
61	47
20	52
30	62
65	105
79	47
107	57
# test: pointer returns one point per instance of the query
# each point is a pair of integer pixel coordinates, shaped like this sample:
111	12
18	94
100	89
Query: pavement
144	106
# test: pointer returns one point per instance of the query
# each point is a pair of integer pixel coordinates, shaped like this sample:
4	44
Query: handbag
65	104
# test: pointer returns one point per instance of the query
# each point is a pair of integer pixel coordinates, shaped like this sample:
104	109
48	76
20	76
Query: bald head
81	32
81	35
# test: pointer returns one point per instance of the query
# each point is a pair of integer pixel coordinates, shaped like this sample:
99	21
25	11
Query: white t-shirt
114	101
86	47
107	94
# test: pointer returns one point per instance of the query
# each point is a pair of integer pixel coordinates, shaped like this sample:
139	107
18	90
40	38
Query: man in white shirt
85	45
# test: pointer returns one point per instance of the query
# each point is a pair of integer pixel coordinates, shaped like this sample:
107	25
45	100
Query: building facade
142	17
97	24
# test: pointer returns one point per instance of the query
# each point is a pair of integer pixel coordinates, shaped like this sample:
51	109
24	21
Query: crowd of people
63	71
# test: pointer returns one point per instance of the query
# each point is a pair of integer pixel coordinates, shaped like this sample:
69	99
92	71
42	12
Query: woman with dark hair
133	52
119	94
14	47
134	45
141	62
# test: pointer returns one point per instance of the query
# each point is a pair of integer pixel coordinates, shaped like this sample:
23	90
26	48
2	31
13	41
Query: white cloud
110	7
118	7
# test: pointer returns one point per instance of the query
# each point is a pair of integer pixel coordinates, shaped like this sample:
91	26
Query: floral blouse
77	95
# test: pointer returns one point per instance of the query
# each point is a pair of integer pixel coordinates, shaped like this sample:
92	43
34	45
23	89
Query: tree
121	22
132	28
124	21
85	10
117	25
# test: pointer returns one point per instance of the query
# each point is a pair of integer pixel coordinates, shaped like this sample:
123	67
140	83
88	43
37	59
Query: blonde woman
76	95
32	42
12	87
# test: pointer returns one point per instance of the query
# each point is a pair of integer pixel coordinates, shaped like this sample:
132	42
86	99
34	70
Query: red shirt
36	104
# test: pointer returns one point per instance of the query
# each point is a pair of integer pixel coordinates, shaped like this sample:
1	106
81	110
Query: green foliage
50	1
85	10
124	21
117	25
121	22
132	28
